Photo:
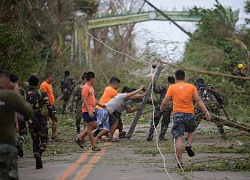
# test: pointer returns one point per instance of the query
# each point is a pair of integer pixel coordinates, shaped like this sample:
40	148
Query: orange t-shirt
89	93
182	95
46	87
107	95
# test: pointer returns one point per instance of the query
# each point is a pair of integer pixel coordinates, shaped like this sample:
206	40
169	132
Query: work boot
150	133
19	150
223	134
39	163
122	134
162	138
63	108
162	134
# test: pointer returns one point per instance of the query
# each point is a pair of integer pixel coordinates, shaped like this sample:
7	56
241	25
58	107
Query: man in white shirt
111	106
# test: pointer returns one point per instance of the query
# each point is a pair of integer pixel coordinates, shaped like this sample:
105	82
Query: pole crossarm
143	104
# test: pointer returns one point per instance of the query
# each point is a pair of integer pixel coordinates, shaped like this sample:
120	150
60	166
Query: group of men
35	106
10	103
103	116
72	93
209	95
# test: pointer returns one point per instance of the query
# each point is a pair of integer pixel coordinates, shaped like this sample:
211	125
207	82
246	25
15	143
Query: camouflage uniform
67	86
10	102
77	97
212	102
8	163
38	124
157	115
240	83
22	130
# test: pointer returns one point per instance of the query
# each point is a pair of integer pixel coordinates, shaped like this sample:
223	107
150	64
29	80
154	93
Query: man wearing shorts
182	95
111	106
88	112
46	86
109	92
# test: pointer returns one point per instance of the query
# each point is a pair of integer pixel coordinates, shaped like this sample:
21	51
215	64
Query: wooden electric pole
143	104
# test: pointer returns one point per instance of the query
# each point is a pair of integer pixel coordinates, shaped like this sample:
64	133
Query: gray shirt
115	102
124	105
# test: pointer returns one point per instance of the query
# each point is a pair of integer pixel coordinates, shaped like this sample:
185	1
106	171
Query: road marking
88	167
85	170
76	165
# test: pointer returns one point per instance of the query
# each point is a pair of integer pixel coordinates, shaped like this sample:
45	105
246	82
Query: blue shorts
96	110
183	122
103	119
87	118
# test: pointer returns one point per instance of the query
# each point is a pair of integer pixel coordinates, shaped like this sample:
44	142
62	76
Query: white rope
156	139
151	93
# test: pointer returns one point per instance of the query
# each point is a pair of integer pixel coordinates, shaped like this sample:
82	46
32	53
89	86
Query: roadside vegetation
37	36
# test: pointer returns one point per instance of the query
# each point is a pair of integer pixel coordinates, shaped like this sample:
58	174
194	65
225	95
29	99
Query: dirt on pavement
137	158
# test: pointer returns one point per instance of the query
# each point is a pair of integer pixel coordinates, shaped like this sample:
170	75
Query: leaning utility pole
144	102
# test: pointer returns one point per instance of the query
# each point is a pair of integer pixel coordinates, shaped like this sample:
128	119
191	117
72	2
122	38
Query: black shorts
87	118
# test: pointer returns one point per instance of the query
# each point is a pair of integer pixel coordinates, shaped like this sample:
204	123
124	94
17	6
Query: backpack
35	98
67	85
44	109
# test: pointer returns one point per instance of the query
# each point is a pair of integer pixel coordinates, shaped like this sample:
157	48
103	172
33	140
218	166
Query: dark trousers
39	137
8	162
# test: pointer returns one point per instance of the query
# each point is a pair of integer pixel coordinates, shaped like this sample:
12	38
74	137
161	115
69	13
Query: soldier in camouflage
21	123
10	103
22	129
38	124
157	115
67	86
239	71
213	101
77	97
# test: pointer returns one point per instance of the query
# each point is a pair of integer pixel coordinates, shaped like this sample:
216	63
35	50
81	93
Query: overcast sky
168	31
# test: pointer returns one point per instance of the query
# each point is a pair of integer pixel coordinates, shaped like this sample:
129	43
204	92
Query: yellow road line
88	167
73	167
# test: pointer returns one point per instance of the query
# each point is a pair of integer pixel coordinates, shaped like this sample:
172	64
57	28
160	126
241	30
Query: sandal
53	138
180	165
96	149
189	150
79	143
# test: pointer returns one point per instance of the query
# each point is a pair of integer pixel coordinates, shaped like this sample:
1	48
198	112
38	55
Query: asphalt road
118	160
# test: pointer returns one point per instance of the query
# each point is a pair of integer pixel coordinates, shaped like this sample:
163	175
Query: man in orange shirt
88	112
182	95
110	92
46	86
